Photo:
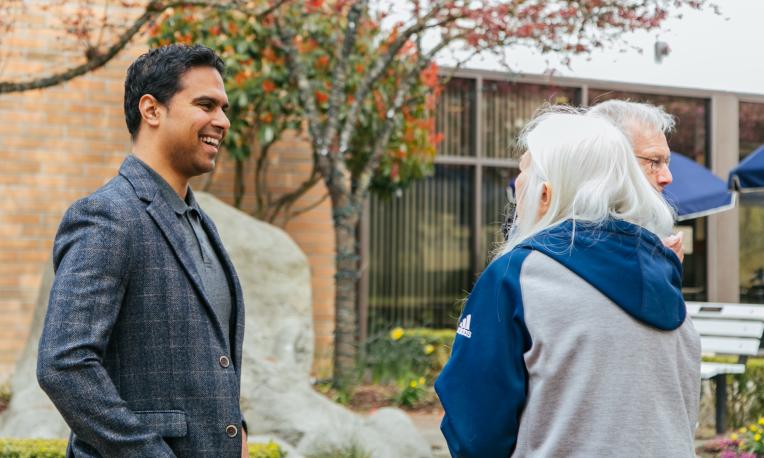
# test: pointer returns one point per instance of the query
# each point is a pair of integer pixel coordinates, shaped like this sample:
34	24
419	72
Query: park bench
726	329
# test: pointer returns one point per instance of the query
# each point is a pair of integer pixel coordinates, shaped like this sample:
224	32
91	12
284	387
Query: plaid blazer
132	353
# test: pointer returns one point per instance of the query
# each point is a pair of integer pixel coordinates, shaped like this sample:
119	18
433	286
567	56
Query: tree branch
285	202
364	178
339	75
379	68
261	201
97	60
306	209
303	85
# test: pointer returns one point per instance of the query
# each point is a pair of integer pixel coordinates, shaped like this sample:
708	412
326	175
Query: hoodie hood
625	262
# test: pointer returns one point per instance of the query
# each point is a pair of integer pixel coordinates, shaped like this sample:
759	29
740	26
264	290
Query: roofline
566	81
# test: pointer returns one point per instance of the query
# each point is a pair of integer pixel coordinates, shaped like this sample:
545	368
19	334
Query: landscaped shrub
269	450
351	451
409	359
745	392
403	355
5	395
56	448
412	393
747	442
32	448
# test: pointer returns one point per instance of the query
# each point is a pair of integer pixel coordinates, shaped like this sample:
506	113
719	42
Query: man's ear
546	198
151	110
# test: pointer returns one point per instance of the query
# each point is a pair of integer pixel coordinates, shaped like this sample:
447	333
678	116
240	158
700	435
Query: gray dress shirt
197	242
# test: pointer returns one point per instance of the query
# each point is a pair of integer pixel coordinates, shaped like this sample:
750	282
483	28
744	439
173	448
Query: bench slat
726	311
730	328
729	345
709	370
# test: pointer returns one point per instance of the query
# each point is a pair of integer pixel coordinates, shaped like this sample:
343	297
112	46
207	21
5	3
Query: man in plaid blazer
141	349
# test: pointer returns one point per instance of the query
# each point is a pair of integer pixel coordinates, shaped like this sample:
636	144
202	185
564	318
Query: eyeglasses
655	164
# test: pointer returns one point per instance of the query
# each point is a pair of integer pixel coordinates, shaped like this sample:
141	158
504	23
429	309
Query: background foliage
264	96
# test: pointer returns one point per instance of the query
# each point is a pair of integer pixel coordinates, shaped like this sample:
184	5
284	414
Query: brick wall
62	143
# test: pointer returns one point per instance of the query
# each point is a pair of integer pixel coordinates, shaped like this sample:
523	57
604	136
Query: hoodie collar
625	262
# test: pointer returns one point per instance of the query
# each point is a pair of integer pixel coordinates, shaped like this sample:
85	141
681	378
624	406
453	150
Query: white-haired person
646	127
574	341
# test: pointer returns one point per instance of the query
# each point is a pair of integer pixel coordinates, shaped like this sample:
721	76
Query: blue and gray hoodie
575	350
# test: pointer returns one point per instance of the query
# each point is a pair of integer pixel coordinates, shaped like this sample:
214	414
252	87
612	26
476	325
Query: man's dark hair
158	73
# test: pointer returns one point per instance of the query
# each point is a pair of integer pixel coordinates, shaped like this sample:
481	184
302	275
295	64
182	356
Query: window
427	247
751	216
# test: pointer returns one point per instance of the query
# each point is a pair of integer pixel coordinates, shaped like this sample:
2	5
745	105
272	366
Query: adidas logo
464	327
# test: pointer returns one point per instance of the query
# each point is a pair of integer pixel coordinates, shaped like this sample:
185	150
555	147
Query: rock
30	412
277	396
278	400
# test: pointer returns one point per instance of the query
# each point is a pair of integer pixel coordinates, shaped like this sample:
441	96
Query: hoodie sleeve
484	384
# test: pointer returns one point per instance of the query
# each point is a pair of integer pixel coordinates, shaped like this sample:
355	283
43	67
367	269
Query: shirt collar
168	193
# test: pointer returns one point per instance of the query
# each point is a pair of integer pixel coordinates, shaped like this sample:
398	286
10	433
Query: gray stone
277	396
278	400
30	412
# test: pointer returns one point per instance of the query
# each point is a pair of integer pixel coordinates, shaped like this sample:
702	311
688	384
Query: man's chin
200	168
208	167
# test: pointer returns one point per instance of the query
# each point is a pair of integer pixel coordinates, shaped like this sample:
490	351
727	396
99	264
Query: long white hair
590	167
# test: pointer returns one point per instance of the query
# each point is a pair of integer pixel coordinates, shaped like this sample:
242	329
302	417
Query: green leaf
242	100
266	134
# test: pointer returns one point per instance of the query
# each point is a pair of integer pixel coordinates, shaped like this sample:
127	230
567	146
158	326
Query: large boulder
30	413
277	397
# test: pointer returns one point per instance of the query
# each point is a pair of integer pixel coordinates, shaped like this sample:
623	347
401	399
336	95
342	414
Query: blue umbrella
695	191
748	177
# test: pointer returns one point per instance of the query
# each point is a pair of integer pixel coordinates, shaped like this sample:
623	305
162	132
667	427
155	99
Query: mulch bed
367	398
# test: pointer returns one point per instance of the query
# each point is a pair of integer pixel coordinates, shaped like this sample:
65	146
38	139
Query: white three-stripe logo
464	327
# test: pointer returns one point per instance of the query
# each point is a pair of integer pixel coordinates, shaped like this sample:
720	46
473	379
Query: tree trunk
346	216
238	183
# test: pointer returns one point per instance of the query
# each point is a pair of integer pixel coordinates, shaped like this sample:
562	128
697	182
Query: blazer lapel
164	216
225	260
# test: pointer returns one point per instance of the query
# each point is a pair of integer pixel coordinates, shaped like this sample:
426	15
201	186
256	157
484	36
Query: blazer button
231	430
224	361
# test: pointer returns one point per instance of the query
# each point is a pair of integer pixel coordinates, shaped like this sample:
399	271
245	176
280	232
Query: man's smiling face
195	122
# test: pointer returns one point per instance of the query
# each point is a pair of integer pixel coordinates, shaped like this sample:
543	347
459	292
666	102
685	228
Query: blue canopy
695	191
748	176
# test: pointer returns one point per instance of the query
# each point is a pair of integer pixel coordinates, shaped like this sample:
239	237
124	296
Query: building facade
426	247
422	250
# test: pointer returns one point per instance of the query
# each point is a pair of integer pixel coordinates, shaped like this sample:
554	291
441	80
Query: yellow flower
761	420
421	380
396	333
757	437
733	436
753	428
428	349
412	384
741	430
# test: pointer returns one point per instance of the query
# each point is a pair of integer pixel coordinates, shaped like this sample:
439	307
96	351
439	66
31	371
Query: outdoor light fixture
661	50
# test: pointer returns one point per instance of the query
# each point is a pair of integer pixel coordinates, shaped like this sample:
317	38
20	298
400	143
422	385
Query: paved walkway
428	425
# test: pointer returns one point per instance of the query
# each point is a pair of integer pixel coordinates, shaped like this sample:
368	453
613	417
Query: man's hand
244	446
674	243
